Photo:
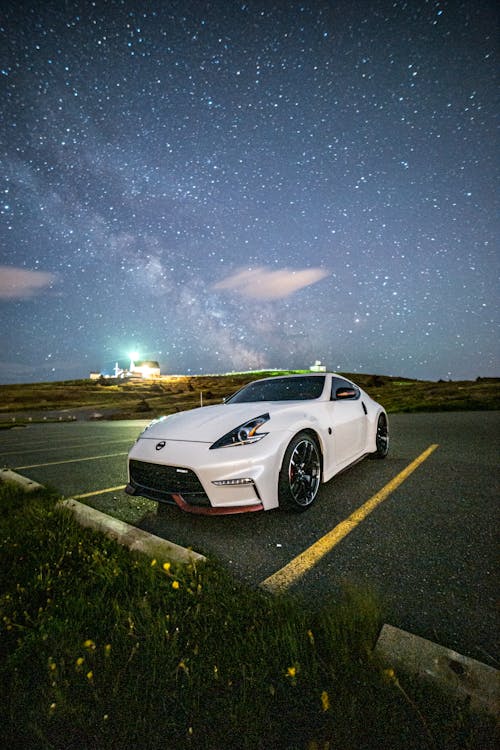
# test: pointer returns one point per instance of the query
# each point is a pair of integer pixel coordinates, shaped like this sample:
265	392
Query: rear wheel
382	438
300	474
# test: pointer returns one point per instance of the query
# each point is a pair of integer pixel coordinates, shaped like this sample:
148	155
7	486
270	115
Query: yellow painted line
71	461
296	568
99	492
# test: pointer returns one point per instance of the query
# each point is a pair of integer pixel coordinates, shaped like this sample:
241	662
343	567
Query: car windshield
281	389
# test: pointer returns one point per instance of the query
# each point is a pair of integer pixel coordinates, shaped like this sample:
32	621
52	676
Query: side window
343	390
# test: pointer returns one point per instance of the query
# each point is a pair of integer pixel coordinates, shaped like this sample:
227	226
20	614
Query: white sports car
272	443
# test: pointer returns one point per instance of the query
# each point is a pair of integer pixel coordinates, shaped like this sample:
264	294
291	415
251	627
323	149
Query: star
247	185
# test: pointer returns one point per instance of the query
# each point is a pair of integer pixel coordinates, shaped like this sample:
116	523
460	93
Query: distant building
145	369
317	367
141	369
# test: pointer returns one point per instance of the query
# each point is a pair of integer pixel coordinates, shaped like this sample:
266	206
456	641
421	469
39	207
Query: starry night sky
238	185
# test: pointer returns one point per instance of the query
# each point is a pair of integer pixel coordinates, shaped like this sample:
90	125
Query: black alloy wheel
300	474
382	437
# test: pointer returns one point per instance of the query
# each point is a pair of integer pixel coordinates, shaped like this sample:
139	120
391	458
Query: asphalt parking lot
427	549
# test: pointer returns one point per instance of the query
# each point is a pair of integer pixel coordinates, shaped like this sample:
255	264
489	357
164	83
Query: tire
300	474
382	438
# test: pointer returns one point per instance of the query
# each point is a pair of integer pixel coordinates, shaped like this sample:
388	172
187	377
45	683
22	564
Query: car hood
209	423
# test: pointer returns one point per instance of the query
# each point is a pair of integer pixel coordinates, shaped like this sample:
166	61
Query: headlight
244	434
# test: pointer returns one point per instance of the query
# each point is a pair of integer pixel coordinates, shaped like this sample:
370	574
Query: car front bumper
235	479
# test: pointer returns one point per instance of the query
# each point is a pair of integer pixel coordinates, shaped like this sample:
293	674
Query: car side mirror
344	393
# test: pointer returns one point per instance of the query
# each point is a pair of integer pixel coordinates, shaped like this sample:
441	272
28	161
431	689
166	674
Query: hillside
119	399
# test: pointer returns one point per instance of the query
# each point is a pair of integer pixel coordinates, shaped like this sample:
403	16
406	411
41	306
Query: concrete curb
7	475
460	676
135	539
124	533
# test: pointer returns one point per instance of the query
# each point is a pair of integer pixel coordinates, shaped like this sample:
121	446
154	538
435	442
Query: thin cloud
263	283
20	283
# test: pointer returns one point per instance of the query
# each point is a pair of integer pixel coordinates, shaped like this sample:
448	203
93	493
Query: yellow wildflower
90	675
80	661
182	665
390	675
153	562
107	649
325	701
89	644
175	584
291	672
166	566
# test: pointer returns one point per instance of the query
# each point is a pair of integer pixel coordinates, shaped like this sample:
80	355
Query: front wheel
300	474
382	438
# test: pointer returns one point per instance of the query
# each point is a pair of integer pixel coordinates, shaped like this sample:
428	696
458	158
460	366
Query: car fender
313	426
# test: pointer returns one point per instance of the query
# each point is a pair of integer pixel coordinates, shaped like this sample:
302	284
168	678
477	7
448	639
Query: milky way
240	185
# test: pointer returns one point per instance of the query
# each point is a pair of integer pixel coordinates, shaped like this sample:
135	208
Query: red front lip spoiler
199	509
203	511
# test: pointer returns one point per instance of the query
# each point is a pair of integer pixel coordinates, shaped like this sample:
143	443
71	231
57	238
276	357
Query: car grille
159	482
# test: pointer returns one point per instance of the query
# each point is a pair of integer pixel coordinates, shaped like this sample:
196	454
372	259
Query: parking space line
297	567
71	461
58	447
98	492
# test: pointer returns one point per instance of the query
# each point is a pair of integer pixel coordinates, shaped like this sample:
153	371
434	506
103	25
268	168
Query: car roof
302	375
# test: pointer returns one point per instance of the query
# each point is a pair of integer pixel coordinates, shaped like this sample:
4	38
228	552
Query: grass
138	399
122	398
101	649
422	396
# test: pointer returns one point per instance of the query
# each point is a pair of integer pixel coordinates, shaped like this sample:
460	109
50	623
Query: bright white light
232	482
